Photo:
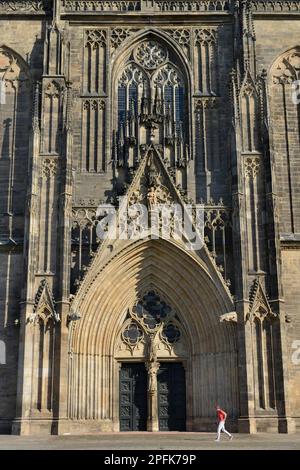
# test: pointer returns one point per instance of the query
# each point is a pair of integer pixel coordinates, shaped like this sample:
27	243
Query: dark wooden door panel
171	397
133	397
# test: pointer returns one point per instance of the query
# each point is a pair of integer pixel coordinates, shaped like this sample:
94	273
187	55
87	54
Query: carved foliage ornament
150	54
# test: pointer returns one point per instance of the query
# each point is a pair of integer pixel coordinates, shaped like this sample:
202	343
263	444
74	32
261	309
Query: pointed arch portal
168	277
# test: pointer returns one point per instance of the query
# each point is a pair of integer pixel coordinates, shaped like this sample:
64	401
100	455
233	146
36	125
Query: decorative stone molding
118	36
252	166
95	38
25	6
182	36
196	5
248	88
49	167
53	89
44	305
87	202
151	5
101	5
205	36
205	103
92	103
217	216
275	6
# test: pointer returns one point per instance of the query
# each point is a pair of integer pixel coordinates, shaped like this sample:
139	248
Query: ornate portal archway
154	335
116	325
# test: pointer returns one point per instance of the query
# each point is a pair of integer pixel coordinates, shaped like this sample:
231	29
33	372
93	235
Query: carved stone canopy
44	306
259	303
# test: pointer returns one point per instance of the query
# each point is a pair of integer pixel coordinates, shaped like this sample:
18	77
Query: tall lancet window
151	102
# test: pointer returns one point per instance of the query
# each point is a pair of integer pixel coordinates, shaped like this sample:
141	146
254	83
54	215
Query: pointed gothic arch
130	270
283	94
15	90
150	33
169	104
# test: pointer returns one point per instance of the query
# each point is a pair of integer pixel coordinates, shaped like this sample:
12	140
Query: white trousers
221	427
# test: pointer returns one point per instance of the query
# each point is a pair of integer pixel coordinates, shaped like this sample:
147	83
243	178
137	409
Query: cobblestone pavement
151	441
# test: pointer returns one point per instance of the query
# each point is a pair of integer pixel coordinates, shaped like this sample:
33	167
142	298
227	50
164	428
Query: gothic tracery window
151	97
151	316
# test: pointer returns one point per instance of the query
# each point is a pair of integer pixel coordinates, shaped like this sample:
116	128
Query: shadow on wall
15	113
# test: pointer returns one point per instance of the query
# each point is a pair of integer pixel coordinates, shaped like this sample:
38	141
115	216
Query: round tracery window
150	54
171	333
132	334
151	310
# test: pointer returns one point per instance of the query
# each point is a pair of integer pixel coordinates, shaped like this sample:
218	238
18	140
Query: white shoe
217	440
231	437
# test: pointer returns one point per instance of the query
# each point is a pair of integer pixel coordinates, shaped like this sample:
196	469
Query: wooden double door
171	397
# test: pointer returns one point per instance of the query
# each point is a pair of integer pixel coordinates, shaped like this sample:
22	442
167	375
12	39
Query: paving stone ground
152	441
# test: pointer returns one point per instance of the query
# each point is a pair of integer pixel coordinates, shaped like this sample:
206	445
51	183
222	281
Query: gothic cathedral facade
170	101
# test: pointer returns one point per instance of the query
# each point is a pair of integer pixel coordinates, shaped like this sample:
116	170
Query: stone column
152	421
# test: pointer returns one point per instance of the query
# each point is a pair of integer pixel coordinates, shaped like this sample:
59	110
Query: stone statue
152	199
